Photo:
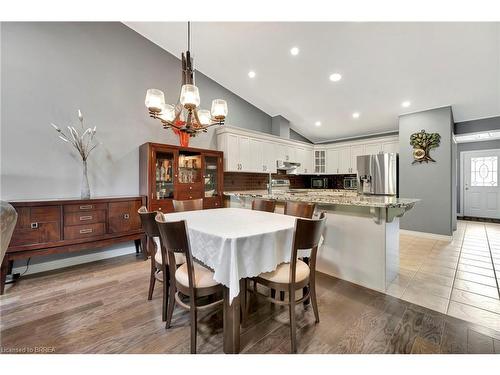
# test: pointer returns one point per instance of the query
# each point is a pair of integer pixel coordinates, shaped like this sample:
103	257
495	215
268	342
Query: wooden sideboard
62	226
168	172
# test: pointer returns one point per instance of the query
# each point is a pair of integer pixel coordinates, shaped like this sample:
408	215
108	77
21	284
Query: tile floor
458	278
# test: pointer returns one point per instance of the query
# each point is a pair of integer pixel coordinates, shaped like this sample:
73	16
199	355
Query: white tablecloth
238	243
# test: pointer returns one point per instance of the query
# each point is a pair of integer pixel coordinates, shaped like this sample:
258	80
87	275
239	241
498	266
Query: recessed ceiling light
355	115
335	77
294	51
406	104
317	123
251	74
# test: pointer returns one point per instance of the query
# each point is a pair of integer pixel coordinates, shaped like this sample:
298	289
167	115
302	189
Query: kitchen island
361	239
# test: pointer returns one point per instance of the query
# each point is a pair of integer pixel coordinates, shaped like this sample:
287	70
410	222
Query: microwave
319	182
350	183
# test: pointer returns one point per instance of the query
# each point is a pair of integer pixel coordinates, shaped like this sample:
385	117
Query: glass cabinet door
189	168
164	175
210	175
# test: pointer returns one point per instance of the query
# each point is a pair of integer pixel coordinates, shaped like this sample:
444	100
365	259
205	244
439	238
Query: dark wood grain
101	307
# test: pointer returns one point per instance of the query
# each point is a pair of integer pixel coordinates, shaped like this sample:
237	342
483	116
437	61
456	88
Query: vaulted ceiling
381	64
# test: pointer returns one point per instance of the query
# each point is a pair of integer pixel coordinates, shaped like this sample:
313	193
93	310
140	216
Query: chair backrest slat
188	205
267	205
300	209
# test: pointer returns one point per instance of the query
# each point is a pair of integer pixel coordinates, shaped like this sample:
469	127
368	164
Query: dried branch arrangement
84	143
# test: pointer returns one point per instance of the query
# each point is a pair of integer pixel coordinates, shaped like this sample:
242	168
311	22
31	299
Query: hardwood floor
102	307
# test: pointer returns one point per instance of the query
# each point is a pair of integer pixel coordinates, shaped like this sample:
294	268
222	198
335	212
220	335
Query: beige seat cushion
203	277
179	258
282	273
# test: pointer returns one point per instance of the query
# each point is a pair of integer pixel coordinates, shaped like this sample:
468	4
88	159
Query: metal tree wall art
84	143
423	143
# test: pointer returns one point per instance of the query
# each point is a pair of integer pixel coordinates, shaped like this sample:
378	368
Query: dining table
237	244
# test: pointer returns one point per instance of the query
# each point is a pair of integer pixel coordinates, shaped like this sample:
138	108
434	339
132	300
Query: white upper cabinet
391	146
356	151
269	157
255	156
304	157
247	151
320	161
333	161
372	149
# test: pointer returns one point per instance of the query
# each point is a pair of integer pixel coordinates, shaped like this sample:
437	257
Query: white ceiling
382	64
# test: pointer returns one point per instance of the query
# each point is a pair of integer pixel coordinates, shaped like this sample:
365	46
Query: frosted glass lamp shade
190	96
204	116
167	113
155	100
219	109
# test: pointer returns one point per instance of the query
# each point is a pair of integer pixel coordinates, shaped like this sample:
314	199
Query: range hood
288	166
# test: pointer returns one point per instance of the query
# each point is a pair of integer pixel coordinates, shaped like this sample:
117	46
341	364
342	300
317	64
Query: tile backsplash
235	181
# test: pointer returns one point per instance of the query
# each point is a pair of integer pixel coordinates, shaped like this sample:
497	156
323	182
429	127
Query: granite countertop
333	197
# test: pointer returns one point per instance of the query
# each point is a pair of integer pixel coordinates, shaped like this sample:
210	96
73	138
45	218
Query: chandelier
185	117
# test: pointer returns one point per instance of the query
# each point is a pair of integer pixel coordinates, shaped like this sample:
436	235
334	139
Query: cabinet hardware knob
86	207
89	230
126	216
83	218
159	209
34	225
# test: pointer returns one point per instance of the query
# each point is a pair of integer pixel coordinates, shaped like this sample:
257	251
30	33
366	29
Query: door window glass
484	171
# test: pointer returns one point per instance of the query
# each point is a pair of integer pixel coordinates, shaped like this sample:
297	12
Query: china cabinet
170	172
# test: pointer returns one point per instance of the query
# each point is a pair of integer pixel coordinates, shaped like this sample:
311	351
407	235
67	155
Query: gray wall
50	70
280	127
298	137
430	182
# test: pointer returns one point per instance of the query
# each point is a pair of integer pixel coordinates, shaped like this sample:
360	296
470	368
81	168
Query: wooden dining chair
300	209
188	205
158	269
191	279
267	205
293	276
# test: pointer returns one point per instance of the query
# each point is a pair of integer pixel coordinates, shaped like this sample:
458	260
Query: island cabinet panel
66	225
169	172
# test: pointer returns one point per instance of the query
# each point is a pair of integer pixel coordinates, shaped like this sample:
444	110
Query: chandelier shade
190	96
155	100
219	109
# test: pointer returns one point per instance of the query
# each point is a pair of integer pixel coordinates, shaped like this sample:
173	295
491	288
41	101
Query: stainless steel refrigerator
378	174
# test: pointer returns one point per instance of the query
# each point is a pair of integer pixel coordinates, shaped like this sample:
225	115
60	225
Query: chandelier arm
200	125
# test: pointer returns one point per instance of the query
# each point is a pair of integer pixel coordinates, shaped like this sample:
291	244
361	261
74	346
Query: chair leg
171	305
152	280
305	290
243	301
166	284
312	294
293	328
193	329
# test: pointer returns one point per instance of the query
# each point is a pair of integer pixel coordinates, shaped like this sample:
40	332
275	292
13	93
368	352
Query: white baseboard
440	237
73	261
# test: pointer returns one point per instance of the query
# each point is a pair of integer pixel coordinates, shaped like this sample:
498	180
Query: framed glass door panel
163	174
210	175
190	168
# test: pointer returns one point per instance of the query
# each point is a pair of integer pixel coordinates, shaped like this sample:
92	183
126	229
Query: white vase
85	189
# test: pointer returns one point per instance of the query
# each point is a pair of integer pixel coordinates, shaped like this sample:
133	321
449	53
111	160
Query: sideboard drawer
83	207
88	217
83	231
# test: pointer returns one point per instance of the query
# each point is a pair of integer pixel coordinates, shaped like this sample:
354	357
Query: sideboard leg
3	274
137	246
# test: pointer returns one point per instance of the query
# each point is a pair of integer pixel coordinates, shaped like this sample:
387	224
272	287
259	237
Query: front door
481	190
